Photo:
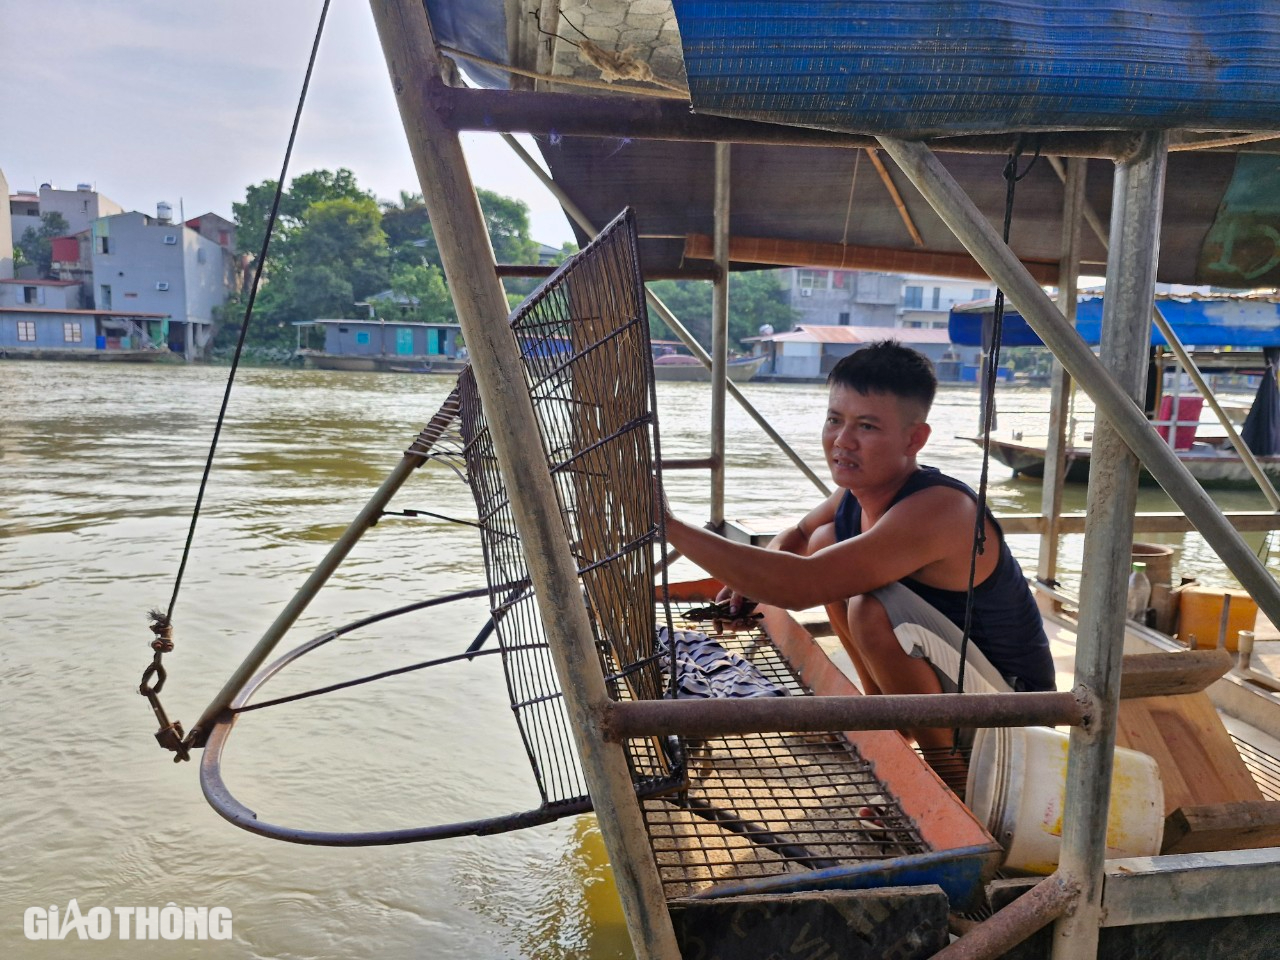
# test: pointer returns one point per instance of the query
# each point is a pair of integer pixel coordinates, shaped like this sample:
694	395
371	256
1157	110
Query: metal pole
410	51
1055	451
1002	931
669	318
981	239
1138	194
719	334
716	717
1246	455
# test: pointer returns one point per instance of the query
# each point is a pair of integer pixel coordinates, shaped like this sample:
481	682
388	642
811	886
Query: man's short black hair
886	366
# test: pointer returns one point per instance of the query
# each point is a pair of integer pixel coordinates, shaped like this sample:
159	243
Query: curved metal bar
231	809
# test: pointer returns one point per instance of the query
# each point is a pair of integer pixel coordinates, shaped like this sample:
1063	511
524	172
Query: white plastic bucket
1018	784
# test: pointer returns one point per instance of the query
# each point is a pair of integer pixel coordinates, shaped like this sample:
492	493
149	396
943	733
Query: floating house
394	346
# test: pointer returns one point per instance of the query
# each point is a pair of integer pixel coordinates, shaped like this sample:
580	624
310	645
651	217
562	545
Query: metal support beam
1002	931
619	115
720	717
412	60
670	319
719	334
981	239
1194	886
1138	195
1055	452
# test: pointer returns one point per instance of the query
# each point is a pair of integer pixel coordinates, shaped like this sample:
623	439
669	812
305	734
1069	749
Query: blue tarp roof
1209	322
478	27
939	67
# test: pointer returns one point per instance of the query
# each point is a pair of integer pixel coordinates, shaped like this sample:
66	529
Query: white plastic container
1139	593
1017	788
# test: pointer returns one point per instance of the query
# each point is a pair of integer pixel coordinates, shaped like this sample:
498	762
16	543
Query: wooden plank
1246	825
1184	735
799	253
909	923
1168	674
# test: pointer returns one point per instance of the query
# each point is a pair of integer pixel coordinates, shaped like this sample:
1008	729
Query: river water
99	466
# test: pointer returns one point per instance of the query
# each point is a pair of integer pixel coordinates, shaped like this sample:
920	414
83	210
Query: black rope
413	514
248	312
1011	177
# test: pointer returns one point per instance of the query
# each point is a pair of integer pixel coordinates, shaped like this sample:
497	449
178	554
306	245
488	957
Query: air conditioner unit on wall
162	284
806	292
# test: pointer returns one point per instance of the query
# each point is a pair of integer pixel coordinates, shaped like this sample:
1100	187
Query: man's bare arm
919	531
795	538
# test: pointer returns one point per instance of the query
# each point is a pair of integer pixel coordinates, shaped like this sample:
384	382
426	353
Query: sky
190	101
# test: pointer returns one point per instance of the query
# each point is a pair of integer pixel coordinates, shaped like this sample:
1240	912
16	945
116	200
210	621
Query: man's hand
736	601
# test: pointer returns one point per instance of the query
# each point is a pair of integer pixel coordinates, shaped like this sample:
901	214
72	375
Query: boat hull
739	371
382	364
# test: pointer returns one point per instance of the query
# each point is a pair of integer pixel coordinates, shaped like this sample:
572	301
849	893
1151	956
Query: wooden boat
1212	462
1238	323
682	368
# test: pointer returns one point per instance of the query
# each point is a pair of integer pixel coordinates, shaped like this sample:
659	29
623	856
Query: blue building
44	320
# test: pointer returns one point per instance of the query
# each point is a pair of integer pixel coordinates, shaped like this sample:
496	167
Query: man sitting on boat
889	552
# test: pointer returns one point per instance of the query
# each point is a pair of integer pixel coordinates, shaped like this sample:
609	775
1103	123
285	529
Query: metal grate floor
1264	767
762	805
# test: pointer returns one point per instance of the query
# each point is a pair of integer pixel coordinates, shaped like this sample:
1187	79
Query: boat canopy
799	85
1203	321
952	67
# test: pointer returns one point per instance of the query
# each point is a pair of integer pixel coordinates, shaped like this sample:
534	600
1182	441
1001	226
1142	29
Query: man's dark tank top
1007	626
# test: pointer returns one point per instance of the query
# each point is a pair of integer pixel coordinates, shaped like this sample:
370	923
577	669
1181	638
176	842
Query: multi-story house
79	208
927	301
117	282
913	309
6	232
153	265
847	298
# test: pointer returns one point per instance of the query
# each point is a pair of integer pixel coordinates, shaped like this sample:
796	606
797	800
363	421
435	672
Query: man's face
870	439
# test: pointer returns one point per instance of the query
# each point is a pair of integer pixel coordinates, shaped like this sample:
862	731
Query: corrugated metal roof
122	314
365	321
823	333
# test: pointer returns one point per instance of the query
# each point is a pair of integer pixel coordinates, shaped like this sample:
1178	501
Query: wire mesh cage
584	342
